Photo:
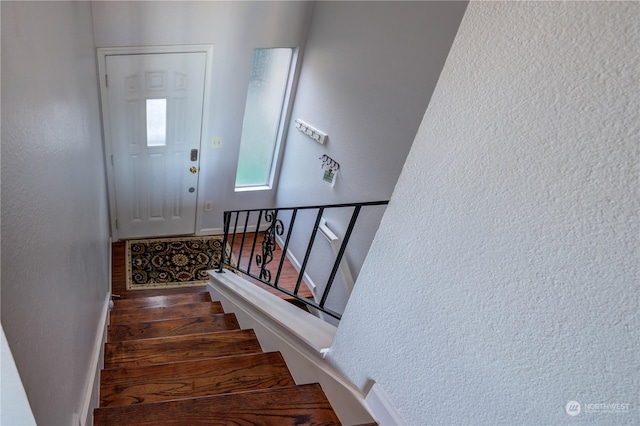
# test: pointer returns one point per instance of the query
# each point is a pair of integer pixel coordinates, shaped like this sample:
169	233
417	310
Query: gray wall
235	29
516	288
55	239
368	73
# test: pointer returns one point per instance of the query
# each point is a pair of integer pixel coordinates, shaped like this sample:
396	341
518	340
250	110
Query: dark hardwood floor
288	276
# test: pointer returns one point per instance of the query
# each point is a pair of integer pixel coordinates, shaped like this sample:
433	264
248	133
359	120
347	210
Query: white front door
155	104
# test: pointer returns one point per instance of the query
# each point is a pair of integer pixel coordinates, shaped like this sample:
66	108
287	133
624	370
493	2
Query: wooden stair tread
294	405
174	357
161	301
180	348
178	311
162	382
172	327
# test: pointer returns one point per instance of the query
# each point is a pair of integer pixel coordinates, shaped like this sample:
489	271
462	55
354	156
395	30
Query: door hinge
117	224
106	80
112	160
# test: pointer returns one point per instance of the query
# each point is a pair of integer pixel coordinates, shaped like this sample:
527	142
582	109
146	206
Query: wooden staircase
179	359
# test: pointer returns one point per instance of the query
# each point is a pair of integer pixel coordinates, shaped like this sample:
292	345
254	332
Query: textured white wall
235	29
55	241
504	280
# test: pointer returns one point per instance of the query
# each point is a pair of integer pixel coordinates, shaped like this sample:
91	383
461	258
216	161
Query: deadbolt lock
193	169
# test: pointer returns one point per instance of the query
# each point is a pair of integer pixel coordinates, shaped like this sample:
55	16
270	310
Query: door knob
193	169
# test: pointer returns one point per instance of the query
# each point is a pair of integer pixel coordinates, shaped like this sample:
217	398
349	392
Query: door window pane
156	122
262	115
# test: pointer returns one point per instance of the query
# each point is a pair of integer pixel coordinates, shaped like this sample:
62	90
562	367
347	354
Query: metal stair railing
236	225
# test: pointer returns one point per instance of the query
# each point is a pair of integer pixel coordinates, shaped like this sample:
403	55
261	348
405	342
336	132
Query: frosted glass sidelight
262	116
156	122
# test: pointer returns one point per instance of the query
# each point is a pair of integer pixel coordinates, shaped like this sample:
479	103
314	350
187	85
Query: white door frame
103	52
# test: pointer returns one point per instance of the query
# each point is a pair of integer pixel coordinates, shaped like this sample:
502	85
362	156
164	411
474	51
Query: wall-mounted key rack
329	162
313	133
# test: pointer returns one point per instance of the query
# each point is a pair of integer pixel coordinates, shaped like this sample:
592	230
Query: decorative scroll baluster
269	243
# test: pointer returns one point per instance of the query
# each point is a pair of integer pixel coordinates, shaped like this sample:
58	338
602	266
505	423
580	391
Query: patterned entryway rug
171	262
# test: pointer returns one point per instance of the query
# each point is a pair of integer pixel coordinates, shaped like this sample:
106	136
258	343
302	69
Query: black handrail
276	228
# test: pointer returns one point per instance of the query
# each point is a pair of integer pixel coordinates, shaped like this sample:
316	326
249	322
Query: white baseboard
210	231
92	388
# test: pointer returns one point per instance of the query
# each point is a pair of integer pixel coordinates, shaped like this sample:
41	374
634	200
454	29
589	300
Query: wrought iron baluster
309	247
343	247
269	243
235	230
244	233
255	239
286	245
226	221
